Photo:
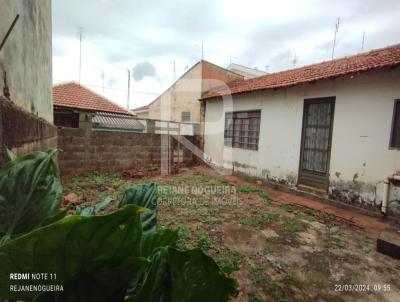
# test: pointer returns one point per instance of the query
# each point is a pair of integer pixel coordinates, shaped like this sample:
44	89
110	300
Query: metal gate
316	142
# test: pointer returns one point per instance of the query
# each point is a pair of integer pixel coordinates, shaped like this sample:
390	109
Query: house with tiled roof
75	104
331	128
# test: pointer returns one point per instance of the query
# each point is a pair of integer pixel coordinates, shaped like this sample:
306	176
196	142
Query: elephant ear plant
122	256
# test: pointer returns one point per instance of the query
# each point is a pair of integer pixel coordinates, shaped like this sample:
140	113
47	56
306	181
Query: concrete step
312	190
388	243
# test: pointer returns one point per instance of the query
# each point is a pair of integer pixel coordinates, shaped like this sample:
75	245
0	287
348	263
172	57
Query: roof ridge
96	95
372	59
104	98
329	61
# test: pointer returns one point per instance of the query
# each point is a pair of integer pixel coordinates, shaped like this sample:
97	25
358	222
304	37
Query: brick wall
83	150
22	132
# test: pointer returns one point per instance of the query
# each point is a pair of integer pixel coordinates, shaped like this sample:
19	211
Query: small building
142	112
179	103
246	72
332	128
75	105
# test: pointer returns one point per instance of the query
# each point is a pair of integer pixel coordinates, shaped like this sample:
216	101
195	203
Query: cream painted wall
360	144
182	96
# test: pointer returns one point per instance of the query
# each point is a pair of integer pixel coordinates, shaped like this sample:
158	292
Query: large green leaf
93	210
144	196
30	191
59	214
156	239
184	276
98	249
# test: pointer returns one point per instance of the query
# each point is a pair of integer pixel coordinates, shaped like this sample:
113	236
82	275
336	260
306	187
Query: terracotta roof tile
380	58
73	95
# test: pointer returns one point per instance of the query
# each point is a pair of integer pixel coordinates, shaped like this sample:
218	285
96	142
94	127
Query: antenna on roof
174	72
202	51
103	76
334	38
80	54
363	41
294	59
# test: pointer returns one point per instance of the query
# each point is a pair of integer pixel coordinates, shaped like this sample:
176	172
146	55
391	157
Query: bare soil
276	249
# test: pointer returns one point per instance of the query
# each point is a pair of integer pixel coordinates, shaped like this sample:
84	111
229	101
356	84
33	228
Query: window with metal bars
242	129
185	116
395	136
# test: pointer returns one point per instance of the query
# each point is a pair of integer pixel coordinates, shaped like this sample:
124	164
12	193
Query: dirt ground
276	249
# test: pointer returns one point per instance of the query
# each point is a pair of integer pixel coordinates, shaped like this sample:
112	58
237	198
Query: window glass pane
242	129
395	138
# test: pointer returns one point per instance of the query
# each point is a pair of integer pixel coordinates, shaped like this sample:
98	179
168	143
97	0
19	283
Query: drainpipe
385	198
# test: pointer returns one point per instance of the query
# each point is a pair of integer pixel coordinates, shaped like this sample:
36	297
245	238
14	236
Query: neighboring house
331	127
179	102
75	105
246	72
142	112
26	109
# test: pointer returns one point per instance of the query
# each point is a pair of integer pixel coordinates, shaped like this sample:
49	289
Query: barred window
242	129
395	137
185	116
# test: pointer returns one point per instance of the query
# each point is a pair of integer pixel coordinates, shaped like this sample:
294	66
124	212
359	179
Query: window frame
395	119
243	140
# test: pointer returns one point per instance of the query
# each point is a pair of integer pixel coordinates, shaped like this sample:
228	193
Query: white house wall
360	155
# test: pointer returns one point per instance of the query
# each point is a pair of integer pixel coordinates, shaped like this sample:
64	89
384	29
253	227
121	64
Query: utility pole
334	38
129	87
80	54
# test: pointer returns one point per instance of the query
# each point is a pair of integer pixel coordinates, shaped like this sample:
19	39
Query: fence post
151	126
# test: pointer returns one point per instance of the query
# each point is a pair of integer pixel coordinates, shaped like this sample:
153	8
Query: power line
117	89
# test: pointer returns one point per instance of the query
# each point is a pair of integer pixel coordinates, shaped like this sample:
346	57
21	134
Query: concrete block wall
104	151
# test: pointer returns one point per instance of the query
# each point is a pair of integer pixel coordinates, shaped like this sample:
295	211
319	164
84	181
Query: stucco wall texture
360	157
26	56
185	93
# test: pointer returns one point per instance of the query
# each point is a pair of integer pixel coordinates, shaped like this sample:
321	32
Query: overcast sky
147	36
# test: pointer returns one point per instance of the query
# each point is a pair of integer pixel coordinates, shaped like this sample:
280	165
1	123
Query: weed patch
183	236
333	242
260	220
204	242
291	226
